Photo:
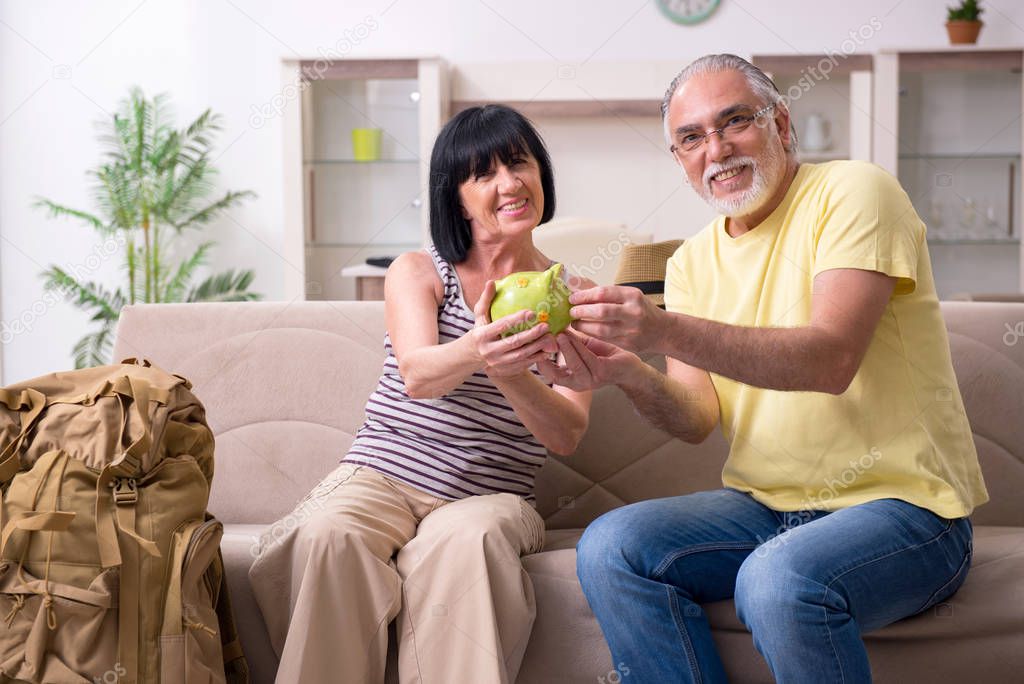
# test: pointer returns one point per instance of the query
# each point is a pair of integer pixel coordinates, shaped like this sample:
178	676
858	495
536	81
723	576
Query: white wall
65	65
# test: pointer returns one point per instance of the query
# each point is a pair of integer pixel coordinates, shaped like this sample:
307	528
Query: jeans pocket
920	520
954	583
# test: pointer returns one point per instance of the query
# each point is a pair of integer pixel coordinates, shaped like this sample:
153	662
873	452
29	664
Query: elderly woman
429	512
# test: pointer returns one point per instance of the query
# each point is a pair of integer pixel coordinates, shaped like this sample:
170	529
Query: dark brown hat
643	266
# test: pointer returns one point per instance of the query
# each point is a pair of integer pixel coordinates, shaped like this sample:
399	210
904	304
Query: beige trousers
328	581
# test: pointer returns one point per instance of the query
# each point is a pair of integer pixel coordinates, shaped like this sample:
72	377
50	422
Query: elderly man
803	319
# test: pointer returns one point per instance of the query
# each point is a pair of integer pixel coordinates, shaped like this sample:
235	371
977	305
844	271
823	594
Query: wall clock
687	11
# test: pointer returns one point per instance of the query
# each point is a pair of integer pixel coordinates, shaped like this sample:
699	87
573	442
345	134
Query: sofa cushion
975	636
238	547
992	386
284	385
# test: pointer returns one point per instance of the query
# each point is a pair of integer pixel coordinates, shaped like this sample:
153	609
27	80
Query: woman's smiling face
504	198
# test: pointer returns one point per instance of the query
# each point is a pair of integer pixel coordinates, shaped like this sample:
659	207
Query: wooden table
369	281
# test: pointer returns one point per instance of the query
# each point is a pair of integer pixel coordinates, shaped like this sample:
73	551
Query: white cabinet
601	122
948	124
358	137
829	99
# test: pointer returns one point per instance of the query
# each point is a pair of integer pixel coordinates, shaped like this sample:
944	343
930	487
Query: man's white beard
764	170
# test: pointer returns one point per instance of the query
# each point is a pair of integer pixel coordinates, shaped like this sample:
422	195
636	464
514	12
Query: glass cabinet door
829	98
958	158
363	163
356	156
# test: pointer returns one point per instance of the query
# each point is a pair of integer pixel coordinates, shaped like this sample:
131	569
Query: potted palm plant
154	183
963	22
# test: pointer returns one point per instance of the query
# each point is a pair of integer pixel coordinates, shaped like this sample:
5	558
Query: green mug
366	144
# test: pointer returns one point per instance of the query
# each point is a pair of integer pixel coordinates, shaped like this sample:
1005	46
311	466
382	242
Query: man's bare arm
822	356
682	401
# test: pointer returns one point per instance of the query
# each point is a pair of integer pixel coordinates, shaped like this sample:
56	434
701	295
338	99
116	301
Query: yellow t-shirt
900	430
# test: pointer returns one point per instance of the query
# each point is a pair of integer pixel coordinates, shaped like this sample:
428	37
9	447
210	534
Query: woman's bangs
502	142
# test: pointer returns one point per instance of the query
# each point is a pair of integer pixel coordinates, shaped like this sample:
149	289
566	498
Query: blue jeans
806	584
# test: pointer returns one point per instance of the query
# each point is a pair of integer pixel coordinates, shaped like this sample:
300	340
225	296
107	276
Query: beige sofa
284	385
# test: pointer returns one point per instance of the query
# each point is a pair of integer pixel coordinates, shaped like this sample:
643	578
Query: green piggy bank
543	292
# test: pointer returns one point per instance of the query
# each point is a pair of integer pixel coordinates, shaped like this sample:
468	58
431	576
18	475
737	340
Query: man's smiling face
738	171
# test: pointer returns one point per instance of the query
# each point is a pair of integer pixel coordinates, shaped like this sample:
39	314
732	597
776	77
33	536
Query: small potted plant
963	22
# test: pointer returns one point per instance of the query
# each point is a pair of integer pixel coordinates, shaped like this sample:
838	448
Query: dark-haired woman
429	512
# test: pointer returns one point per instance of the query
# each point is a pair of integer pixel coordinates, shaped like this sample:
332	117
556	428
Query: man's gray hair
758	81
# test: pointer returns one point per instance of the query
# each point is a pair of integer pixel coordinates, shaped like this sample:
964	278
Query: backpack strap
128	611
146	363
36	520
123	499
32	400
117	507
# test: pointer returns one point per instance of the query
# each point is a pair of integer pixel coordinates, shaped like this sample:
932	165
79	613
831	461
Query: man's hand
620	315
587	363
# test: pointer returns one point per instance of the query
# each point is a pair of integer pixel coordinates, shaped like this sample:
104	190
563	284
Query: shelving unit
946	121
573	108
834	88
602	125
341	209
948	124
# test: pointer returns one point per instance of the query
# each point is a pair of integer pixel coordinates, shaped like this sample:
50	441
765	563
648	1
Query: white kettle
817	136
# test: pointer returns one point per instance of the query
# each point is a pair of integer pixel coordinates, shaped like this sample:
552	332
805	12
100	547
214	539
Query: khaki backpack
110	567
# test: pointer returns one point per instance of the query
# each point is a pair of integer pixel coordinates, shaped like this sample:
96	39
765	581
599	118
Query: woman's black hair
468	145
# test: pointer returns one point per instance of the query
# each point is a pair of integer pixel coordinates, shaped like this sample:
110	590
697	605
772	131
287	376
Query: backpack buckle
126	493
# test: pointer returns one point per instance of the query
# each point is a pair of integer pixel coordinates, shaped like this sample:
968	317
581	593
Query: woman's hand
557	417
506	357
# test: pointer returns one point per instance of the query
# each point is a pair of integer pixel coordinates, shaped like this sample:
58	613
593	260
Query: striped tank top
466	443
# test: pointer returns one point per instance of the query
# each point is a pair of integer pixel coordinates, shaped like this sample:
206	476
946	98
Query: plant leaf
228	286
86	295
175	287
96	348
117	196
210	211
59	210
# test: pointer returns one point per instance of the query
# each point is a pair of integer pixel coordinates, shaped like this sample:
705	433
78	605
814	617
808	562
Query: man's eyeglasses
736	124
